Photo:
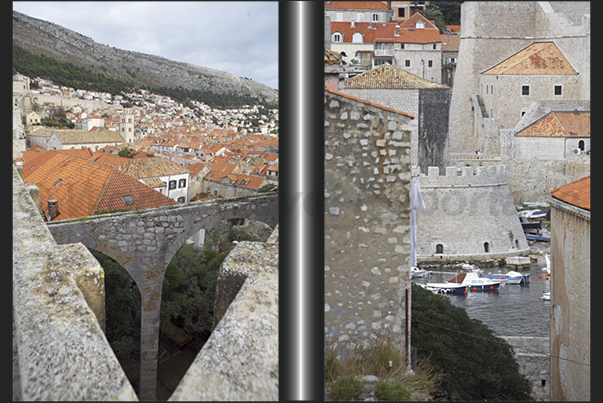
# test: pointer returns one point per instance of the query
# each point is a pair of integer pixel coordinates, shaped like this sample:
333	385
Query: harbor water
512	310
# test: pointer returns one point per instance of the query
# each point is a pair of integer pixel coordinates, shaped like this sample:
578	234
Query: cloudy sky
237	37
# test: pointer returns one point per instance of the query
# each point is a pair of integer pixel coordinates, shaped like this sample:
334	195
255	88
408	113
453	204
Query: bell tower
126	125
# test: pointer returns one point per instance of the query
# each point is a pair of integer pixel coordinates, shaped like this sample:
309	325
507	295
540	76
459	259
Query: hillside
63	45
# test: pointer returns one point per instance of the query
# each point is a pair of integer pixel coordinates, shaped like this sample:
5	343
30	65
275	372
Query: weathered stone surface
58	301
240	359
364	205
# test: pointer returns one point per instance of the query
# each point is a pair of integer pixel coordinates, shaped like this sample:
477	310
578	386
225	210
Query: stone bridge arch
145	241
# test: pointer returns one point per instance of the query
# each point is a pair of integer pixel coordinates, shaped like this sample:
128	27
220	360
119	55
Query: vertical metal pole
301	188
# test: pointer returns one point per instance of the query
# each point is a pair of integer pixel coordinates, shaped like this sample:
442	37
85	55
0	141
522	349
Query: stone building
62	139
414	45
359	11
546	150
367	222
570	291
492	33
429	102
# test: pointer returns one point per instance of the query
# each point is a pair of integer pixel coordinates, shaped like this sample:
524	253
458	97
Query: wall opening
486	247
122	316
581	145
439	248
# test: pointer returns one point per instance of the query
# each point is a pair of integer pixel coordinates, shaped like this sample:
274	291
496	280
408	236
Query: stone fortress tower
494	31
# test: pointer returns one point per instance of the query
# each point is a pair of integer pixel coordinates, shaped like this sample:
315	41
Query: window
401	12
407	63
435	46
375	17
430	63
420	25
357	37
486	90
128	199
182	183
581	145
525	90
181	199
439	248
491	89
558	90
337	38
486	247
215	192
172	185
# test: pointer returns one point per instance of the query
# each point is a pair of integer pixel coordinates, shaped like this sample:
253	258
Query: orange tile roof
390	77
84	187
412	22
559	124
239	180
384	32
364	101
355	5
152	167
539	58
576	193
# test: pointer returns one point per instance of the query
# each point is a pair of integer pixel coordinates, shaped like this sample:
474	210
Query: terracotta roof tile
84	187
390	77
539	58
355	5
576	193
559	124
385	32
152	167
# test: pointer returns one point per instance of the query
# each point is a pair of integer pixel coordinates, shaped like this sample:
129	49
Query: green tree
189	289
435	15
126	153
475	364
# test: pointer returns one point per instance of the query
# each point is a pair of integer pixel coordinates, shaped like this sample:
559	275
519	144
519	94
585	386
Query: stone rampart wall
240	359
58	307
367	222
533	356
470	215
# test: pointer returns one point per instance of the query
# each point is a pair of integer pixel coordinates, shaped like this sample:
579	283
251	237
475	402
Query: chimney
53	208
397	30
352	26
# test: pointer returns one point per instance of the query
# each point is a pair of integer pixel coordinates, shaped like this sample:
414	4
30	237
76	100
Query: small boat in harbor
546	295
512	277
445	288
415	272
474	282
471	269
547	268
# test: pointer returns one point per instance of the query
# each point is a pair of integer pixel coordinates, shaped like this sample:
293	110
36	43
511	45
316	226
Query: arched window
581	145
337	37
357	38
439	248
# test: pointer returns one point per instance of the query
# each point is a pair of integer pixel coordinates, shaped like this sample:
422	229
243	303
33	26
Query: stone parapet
58	304
240	359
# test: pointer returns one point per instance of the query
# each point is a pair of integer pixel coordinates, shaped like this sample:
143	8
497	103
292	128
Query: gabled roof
152	168
412	22
539	58
385	32
387	76
74	136
576	193
84	187
559	124
355	5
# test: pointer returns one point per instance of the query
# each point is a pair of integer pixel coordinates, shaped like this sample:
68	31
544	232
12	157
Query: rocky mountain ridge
52	40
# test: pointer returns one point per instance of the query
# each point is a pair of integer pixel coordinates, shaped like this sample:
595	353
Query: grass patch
346	388
395	391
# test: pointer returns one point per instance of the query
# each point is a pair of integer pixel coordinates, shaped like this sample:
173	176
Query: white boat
470	268
445	288
415	272
547	268
474	282
512	277
546	295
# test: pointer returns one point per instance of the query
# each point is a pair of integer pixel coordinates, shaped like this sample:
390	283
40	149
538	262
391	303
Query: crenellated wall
470	215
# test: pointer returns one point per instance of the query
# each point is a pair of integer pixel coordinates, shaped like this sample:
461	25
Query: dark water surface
512	310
